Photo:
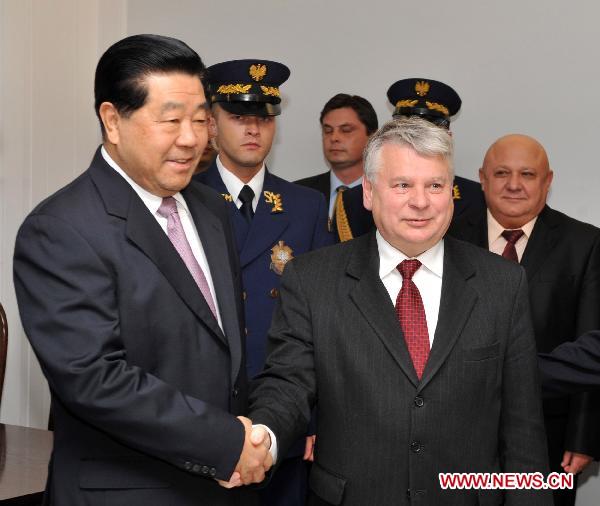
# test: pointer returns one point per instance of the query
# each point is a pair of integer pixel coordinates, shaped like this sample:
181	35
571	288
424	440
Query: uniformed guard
436	102
273	220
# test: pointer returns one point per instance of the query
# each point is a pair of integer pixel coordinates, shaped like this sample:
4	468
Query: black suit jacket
383	436
572	367
144	383
562	261
320	182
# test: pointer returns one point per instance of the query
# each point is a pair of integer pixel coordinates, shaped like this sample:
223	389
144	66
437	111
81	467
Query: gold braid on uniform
341	219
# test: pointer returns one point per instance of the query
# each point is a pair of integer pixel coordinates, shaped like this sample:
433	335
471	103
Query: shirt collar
234	184
495	229
334	183
151	201
390	257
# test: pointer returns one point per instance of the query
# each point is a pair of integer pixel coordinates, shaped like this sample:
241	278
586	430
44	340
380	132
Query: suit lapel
543	239
144	231
456	303
267	226
213	241
368	296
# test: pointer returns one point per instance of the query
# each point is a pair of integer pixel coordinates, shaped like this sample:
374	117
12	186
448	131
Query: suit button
415	447
196	468
274	293
419	402
187	466
213	472
246	331
204	469
235	392
244	295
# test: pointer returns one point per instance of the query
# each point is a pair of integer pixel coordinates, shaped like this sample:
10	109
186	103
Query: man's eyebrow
170	106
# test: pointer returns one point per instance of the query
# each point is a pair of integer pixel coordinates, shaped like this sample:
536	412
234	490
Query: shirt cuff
273	449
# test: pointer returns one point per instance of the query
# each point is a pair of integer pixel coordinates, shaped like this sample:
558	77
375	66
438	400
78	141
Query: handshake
255	459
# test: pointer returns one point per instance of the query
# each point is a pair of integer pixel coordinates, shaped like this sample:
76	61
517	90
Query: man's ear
212	126
111	119
367	194
482	178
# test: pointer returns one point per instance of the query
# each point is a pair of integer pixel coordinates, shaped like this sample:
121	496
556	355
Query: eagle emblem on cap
422	88
258	71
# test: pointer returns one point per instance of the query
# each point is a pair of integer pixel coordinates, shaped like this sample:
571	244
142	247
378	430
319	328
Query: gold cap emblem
258	71
422	88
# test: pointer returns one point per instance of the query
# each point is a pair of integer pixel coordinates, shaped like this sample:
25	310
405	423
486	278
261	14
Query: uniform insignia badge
270	91
275	200
456	192
281	254
258	71
422	88
227	197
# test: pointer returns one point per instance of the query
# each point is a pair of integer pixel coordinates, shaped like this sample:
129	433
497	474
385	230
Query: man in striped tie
561	257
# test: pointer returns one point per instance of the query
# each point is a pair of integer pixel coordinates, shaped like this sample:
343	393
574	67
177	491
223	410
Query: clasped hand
255	459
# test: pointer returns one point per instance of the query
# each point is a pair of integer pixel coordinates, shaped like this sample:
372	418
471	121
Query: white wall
529	67
518	66
48	53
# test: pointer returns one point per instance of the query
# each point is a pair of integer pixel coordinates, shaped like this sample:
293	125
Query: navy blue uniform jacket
299	222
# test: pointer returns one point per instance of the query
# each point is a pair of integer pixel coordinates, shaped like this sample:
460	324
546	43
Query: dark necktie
411	315
246	196
176	234
511	236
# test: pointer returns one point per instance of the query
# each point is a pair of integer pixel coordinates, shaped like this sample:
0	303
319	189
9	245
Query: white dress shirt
153	202
498	243
234	184
428	277
334	184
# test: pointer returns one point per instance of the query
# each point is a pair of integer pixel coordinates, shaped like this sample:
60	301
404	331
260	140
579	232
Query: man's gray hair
425	138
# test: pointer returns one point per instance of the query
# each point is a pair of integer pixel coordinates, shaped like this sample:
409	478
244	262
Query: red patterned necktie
411	315
168	209
511	236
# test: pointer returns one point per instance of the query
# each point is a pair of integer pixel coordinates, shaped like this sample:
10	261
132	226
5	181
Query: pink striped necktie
411	315
168	210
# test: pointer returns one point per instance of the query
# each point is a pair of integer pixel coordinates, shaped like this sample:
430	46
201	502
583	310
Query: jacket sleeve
572	367
582	434
67	296
283	395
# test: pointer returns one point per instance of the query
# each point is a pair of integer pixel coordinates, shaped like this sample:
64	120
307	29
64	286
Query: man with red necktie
561	257
415	365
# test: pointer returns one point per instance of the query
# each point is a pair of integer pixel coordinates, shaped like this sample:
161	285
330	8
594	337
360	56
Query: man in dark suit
347	121
572	367
436	102
561	257
129	292
273	220
415	365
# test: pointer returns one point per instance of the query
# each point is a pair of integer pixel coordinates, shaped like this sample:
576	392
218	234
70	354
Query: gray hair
425	138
